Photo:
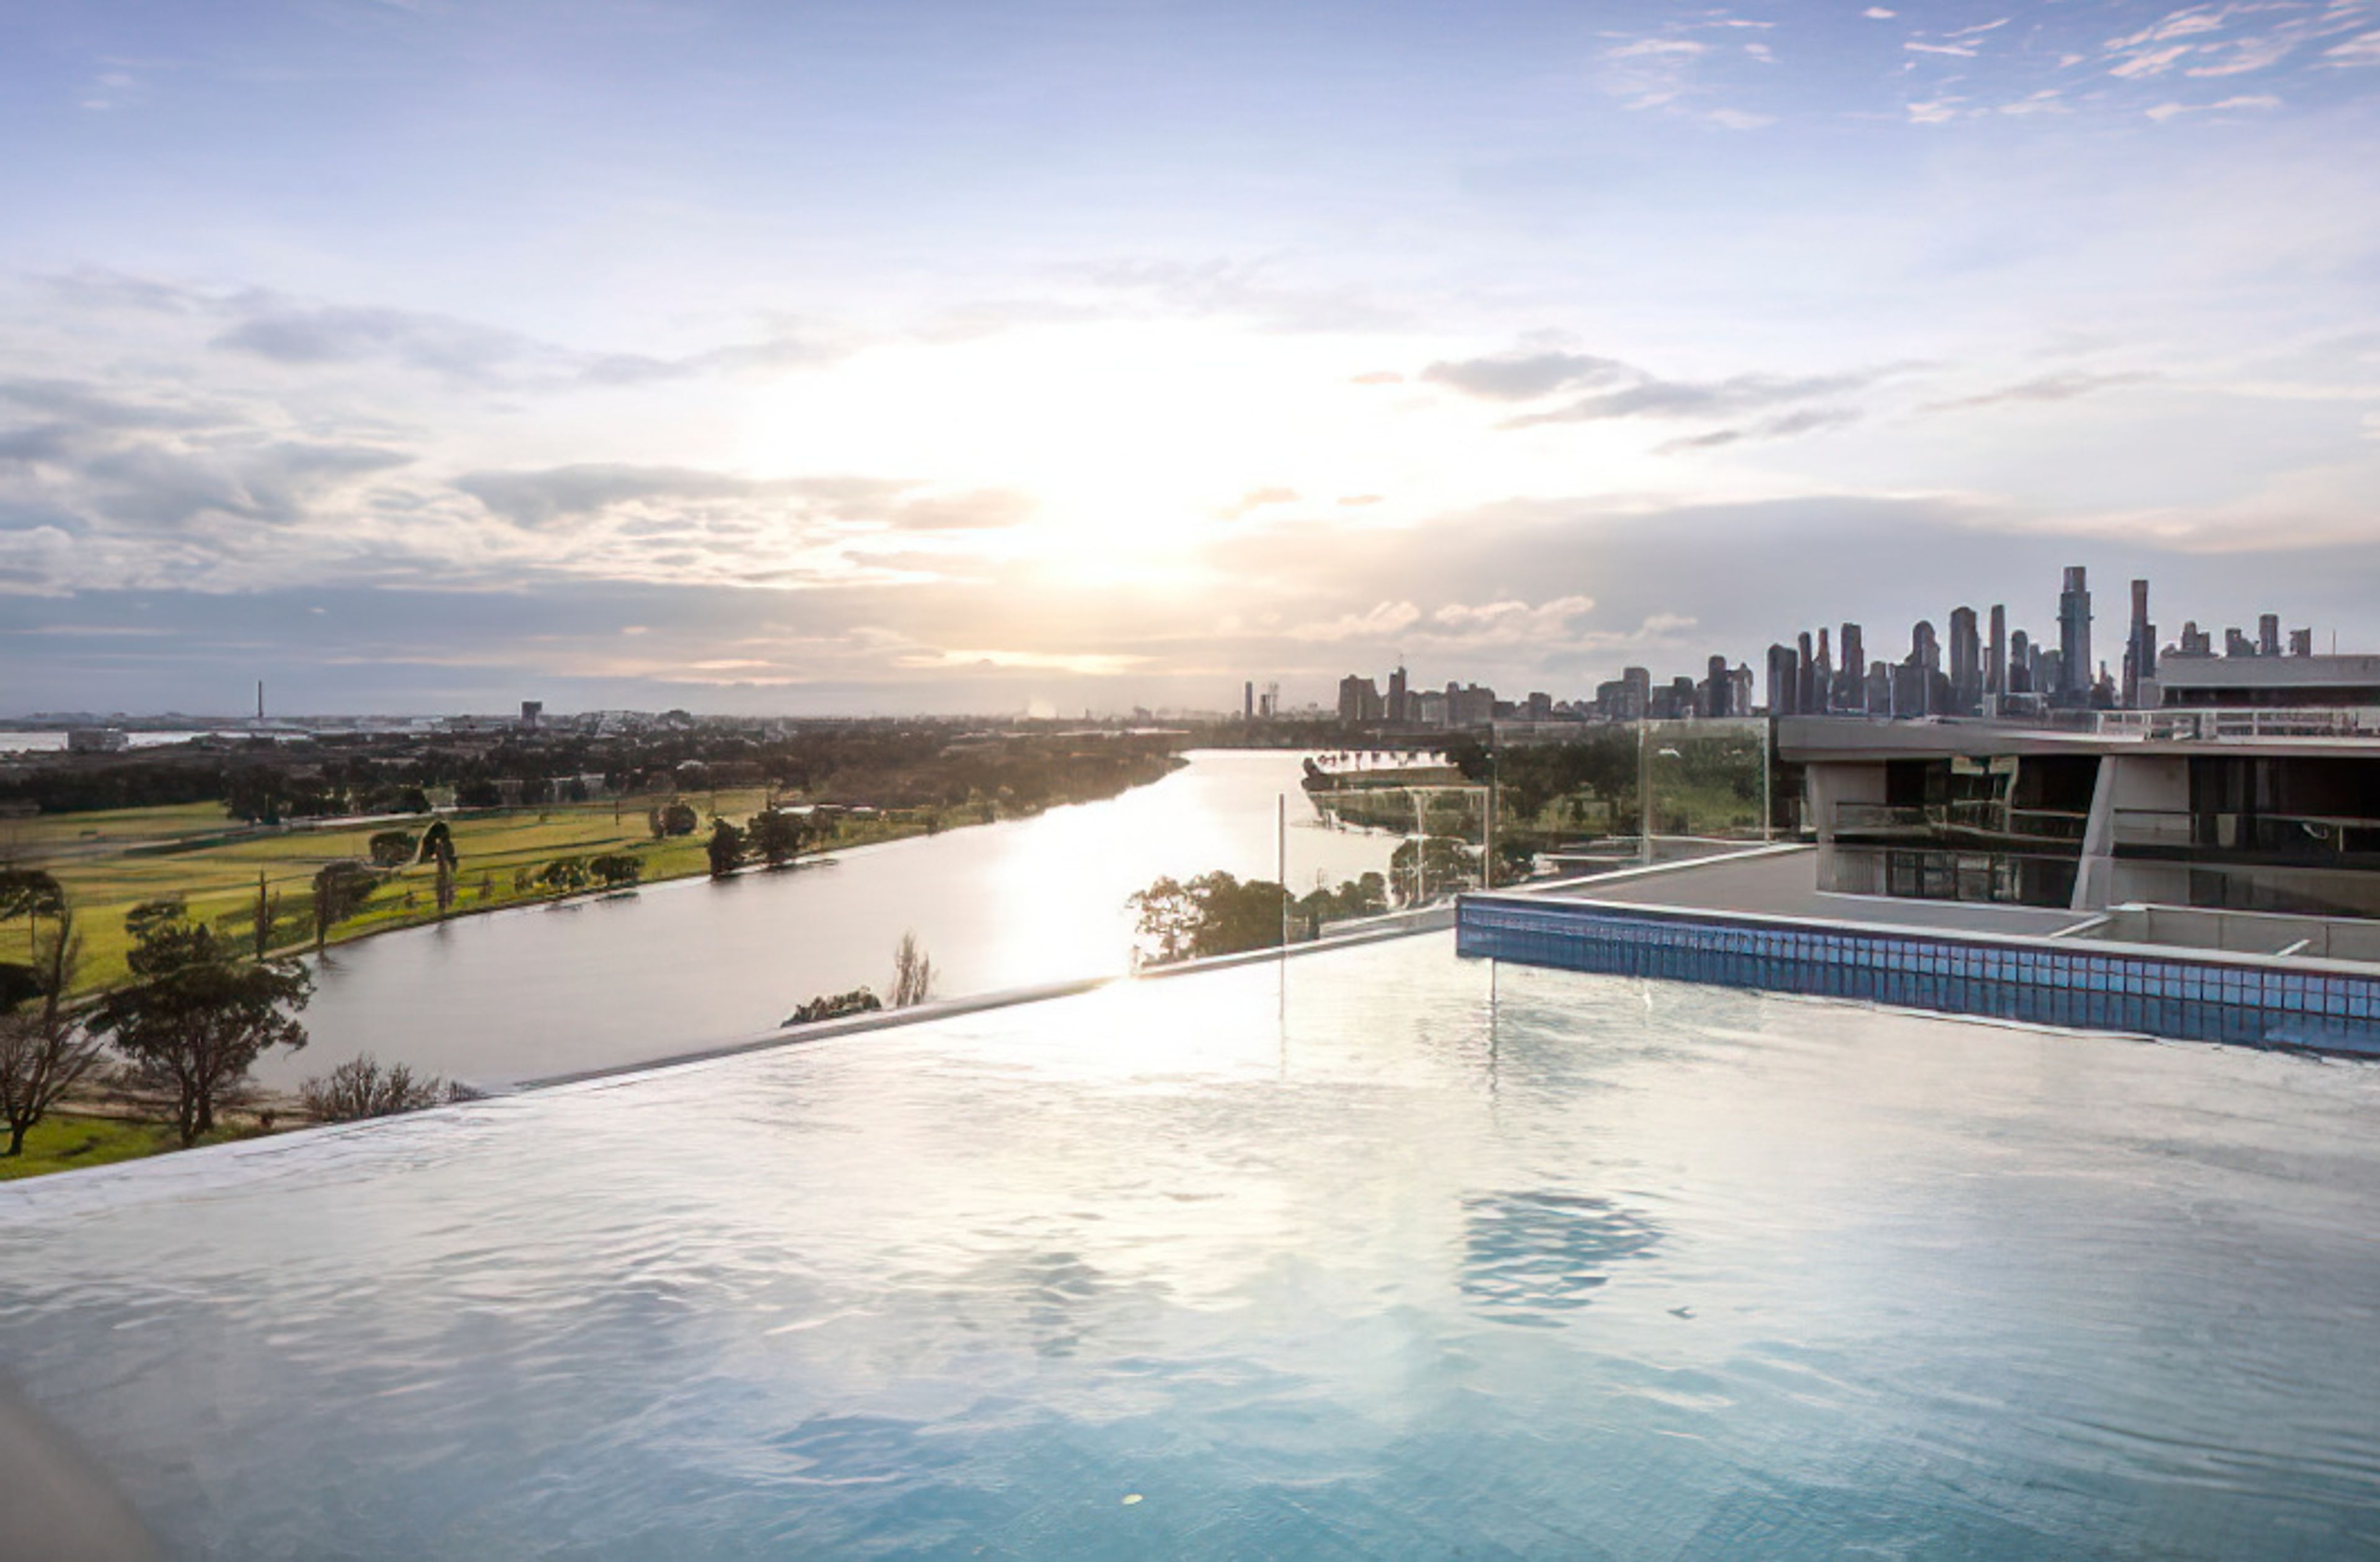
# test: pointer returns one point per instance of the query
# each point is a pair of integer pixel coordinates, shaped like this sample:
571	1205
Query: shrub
361	1088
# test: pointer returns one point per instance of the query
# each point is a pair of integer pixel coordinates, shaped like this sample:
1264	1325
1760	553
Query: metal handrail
1979	813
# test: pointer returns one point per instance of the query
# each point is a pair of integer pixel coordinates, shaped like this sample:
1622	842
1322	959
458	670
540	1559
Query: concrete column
2095	874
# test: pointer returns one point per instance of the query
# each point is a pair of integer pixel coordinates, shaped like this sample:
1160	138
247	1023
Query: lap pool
1382	1252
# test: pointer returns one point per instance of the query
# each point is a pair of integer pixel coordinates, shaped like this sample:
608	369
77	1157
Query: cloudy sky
898	357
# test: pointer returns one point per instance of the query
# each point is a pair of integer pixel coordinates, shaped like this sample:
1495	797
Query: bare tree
44	1051
362	1087
913	972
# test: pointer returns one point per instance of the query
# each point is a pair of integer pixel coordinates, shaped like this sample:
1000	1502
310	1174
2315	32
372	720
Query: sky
893	358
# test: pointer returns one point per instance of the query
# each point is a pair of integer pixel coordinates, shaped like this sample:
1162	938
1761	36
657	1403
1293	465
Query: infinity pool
1418	1256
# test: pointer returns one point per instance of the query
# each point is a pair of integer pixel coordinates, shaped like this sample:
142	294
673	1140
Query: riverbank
594	981
110	861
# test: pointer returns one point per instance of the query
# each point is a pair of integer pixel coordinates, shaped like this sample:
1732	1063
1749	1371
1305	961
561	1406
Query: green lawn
62	1144
108	862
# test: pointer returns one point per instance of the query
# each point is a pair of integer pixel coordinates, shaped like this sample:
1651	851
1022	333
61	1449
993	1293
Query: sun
1134	443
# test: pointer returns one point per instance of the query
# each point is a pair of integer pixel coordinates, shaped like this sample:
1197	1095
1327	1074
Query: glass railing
2295	836
2214	724
1981	816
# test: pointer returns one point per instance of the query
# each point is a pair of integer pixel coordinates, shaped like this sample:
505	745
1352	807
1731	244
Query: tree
31	894
776	835
265	917
45	1052
565	873
200	1019
1364	896
438	845
392	848
479	793
616	868
1213	914
913	972
725	848
444	886
678	818
361	1088
341	889
1446	865
836	1006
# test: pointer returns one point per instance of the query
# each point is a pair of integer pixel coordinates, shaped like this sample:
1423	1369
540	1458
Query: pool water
1382	1252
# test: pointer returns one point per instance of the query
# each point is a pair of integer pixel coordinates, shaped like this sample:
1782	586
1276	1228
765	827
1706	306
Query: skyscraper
2019	679
1640	691
1784	674
1398	711
2074	663
2140	646
1722	688
1996	652
1912	686
1966	663
1805	662
1854	665
2269	634
1822	677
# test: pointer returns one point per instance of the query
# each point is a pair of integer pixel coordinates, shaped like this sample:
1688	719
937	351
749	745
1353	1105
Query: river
616	980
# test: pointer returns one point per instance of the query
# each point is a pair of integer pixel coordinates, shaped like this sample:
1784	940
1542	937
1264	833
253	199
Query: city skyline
421	359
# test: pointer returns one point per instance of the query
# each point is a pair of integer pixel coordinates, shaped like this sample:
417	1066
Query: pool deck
1783	881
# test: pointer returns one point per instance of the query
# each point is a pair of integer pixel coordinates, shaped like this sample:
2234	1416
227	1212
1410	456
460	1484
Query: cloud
2048	388
1358	501
1642	48
2363	49
436	343
1691	399
539	498
1377	377
1810	421
660	502
2148	63
2164	112
1525	377
1878	13
1382	620
89	409
1509	621
1256	499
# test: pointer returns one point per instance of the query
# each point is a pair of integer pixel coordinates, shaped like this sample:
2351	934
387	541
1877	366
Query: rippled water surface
1413	1258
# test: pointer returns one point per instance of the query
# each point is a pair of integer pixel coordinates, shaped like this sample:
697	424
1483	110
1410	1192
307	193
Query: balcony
2310	840
1977	823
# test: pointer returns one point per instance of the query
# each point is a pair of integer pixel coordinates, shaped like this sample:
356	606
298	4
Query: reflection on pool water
1419	1256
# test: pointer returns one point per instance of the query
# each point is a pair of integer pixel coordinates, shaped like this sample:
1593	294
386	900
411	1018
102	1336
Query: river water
671	968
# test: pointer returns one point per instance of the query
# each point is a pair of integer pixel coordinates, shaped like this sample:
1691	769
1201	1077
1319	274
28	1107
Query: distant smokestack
260	699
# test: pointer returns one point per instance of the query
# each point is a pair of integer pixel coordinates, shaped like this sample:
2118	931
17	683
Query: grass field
62	1144
109	862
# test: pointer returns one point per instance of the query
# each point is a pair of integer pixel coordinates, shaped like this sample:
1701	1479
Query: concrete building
2273	682
1359	701
2179	816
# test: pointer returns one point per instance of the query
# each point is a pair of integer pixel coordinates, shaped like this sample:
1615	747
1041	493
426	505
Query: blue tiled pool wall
2193	1000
